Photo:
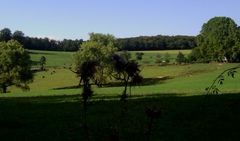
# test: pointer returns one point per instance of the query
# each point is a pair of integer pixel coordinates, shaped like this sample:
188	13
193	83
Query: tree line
40	43
159	42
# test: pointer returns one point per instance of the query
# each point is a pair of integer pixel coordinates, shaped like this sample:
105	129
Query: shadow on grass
198	118
42	53
35	63
146	82
68	87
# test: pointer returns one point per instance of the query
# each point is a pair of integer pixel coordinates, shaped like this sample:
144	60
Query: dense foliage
157	43
40	43
219	40
15	66
181	58
100	49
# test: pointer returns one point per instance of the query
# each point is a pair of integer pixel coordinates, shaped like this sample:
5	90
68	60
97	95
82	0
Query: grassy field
150	57
189	79
54	58
52	109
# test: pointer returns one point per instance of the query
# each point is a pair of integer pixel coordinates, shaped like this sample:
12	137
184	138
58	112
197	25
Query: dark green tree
219	40
42	63
15	66
5	35
18	36
139	55
180	58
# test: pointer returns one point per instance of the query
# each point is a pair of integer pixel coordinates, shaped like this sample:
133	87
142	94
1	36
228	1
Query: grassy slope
54	58
183	79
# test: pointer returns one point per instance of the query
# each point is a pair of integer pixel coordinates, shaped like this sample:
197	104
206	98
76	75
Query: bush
181	58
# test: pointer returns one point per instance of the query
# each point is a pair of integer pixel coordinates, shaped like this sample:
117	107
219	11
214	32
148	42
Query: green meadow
187	79
52	109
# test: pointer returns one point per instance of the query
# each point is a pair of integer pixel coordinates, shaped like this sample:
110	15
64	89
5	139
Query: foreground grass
197	118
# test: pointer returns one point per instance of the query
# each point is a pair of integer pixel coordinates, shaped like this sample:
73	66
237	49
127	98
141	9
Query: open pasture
188	79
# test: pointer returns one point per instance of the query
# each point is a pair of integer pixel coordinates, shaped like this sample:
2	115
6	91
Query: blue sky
73	19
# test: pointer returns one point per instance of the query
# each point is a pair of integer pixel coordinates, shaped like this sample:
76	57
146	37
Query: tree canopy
98	51
218	40
15	66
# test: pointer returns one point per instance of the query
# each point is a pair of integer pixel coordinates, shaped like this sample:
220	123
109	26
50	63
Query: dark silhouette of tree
18	36
5	35
139	55
86	72
42	63
15	66
181	58
213	89
126	71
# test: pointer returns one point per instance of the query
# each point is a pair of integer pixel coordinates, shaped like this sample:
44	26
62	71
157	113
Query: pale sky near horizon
74	19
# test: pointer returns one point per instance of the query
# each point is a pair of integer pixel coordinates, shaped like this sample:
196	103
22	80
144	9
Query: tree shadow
68	87
212	117
35	63
42	53
146	82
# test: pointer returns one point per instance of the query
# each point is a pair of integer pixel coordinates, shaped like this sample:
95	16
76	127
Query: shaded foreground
198	118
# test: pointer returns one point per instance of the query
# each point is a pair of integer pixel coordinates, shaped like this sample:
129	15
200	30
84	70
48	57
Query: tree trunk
4	88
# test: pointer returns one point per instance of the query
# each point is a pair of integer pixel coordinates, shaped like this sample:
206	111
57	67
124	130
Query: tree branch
220	76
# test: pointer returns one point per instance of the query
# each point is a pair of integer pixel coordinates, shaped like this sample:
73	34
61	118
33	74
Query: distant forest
40	43
159	42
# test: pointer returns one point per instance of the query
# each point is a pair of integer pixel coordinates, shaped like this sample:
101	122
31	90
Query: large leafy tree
219	40
98	50
15	66
105	39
